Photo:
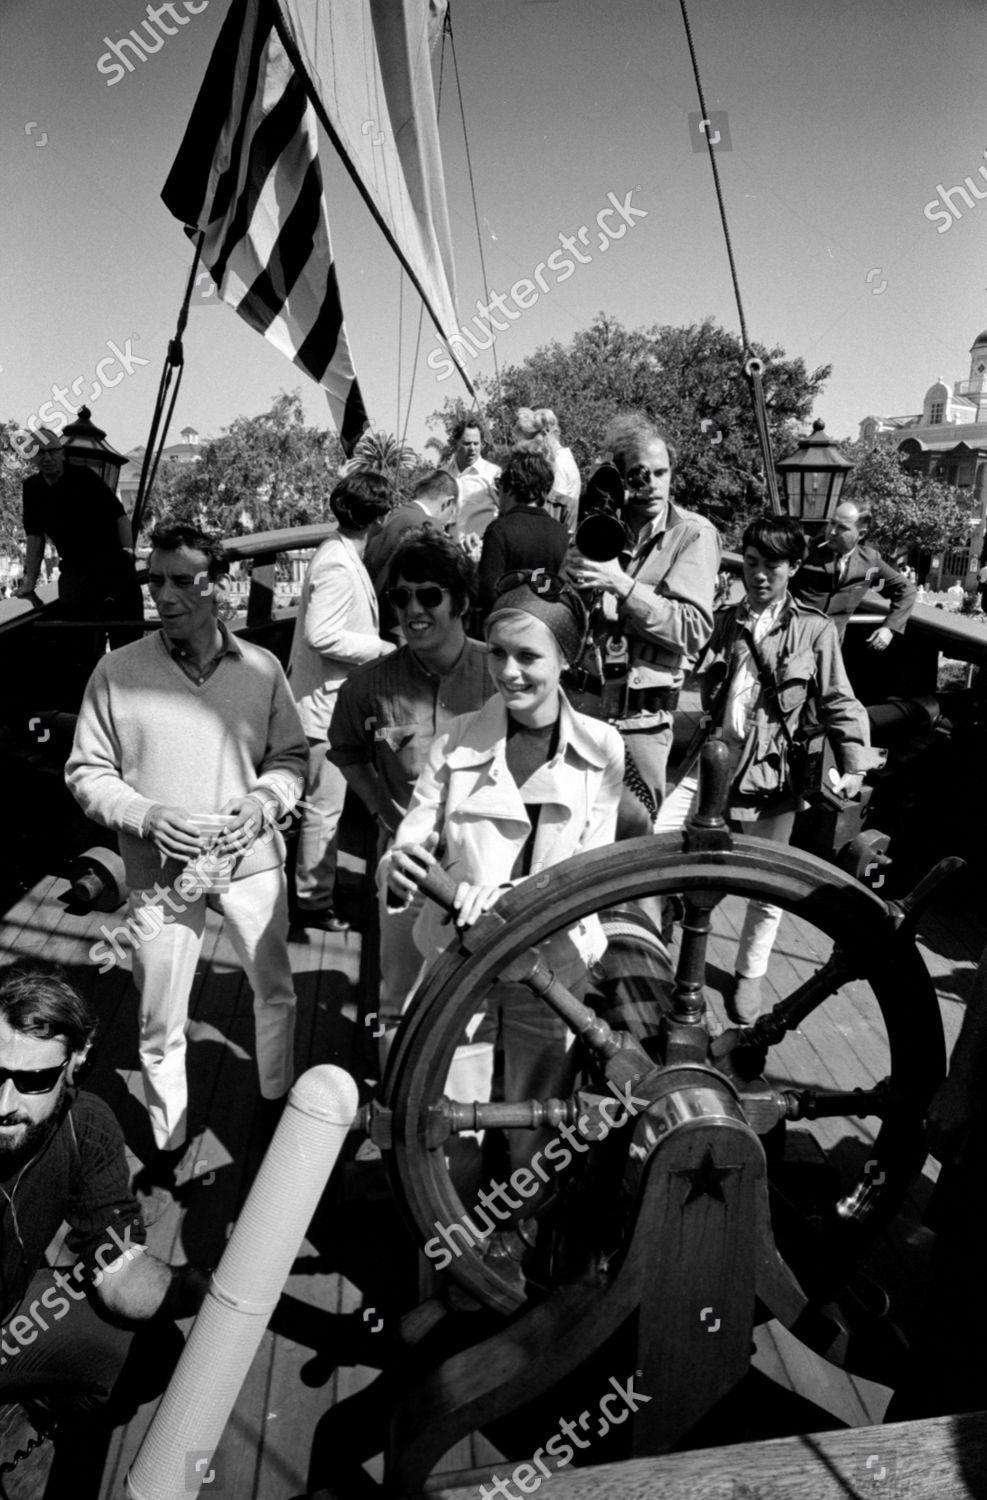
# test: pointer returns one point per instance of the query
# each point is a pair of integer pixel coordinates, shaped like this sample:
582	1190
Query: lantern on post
813	477
86	444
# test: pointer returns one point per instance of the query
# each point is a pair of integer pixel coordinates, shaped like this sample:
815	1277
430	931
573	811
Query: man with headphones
62	1159
337	628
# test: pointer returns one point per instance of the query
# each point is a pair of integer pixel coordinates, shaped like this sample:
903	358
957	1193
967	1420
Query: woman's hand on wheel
471	901
408	865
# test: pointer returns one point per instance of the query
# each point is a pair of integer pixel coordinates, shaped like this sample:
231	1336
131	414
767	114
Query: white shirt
478	500
746	685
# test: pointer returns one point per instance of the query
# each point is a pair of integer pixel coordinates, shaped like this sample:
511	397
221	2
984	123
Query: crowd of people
495	693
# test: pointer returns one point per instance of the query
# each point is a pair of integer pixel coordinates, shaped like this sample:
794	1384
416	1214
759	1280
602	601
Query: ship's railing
931	632
261	619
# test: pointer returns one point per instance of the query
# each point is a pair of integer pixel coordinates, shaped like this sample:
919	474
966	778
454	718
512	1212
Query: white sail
368	67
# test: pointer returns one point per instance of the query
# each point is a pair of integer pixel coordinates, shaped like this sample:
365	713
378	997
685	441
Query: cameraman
657	601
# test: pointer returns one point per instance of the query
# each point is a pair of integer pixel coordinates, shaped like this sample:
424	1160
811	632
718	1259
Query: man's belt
650	700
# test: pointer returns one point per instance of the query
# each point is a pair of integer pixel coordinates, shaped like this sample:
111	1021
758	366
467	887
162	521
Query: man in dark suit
841	568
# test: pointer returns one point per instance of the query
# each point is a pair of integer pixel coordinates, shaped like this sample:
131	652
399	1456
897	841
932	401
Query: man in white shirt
337	629
478	499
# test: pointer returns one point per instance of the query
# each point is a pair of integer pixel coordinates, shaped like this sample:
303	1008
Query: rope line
752	364
476	213
716	180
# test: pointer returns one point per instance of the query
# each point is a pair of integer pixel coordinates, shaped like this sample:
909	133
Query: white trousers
325	793
255	910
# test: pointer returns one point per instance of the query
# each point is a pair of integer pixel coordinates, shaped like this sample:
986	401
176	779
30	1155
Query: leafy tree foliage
689	381
912	513
389	455
13	471
263	473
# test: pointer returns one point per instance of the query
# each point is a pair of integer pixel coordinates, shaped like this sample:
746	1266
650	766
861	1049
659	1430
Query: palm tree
387	454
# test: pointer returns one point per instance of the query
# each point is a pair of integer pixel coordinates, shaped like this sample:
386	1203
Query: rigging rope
469	168
174	360
397	408
421	309
753	366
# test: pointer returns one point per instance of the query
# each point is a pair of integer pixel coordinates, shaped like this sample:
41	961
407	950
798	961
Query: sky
845	124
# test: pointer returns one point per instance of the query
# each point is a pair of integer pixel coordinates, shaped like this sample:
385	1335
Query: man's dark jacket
816	583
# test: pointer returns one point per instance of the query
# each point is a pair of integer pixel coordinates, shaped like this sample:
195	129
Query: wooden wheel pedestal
687	1247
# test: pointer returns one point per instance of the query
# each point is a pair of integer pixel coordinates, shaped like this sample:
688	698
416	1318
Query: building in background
947	440
188	451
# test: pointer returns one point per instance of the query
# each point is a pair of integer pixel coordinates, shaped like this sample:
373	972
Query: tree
689	381
264	473
911	512
13	471
389	455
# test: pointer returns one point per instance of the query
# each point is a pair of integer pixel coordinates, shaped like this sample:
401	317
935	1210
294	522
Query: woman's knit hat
554	602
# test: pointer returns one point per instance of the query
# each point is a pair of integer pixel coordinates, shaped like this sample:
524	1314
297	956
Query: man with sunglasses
389	712
62	1158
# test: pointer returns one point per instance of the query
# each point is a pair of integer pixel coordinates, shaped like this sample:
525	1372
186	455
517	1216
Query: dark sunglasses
546	585
33	1080
429	596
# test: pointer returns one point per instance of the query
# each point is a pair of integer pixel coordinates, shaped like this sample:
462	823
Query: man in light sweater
192	721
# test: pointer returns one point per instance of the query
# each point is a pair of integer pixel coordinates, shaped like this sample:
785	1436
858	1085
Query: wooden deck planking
319	1328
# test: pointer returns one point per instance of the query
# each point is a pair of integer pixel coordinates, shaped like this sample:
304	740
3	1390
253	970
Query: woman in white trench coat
509	791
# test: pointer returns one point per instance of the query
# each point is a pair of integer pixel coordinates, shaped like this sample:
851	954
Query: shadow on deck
335	1327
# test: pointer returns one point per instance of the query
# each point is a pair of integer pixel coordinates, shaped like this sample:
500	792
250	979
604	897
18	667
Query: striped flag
247	176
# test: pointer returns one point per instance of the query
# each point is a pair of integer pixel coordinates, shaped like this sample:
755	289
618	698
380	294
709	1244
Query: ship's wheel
693	1229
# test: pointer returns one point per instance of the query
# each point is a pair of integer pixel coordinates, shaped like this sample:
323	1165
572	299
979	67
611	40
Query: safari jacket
801	653
468	797
667	617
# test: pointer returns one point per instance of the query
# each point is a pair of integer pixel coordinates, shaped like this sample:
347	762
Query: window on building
935	413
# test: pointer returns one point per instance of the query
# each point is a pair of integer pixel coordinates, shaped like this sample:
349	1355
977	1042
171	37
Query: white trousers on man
255	910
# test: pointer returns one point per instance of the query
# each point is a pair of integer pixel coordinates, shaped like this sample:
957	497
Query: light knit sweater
147	734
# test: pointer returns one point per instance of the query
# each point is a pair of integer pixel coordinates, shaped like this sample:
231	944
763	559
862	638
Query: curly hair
360	499
528	476
538	431
472	421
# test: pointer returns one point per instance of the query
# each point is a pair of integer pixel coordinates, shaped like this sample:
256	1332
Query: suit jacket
384	543
336	629
815	583
467	795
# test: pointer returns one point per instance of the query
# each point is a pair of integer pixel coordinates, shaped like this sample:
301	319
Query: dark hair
528	476
438	485
779	538
426	556
36	999
170	534
461	426
627	437
360	499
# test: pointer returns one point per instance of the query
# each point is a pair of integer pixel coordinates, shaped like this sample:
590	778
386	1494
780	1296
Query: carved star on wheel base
705	1180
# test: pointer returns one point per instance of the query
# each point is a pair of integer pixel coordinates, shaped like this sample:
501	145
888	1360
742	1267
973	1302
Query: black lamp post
813	477
86	444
